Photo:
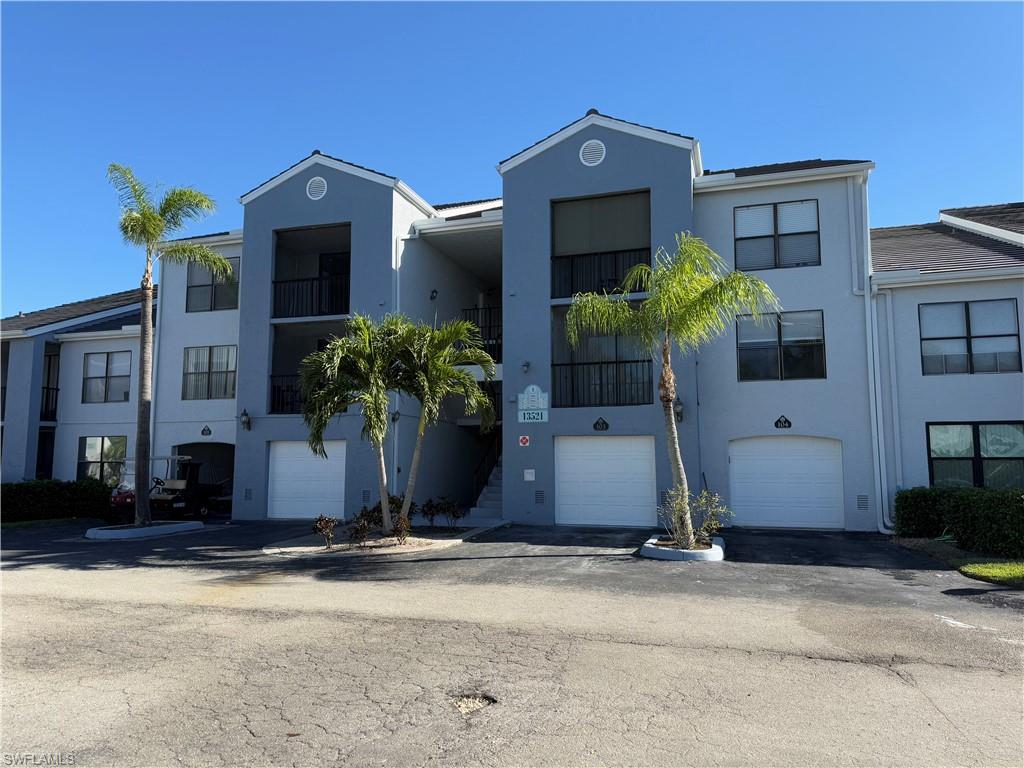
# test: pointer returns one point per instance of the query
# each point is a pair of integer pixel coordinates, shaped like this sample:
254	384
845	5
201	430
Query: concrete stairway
488	507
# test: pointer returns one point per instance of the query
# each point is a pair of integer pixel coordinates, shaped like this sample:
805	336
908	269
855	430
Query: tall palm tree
360	368
432	358
691	299
147	223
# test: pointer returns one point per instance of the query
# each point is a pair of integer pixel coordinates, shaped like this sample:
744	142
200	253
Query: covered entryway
304	485
605	481
793	482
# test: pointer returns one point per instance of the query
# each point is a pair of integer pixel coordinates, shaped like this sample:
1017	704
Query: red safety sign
524	441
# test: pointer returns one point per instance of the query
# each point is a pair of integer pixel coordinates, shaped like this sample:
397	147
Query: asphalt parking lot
801	649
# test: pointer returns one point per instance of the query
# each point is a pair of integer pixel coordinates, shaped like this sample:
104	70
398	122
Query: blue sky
223	96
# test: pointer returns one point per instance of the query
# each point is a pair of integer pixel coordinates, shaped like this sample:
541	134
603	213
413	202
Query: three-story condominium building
894	360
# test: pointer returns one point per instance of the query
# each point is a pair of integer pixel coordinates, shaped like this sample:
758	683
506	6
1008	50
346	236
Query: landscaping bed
420	538
997	570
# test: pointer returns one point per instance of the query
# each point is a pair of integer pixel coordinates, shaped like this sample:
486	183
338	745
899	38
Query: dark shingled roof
63	312
939	248
589	113
442	206
796	165
1009	216
315	153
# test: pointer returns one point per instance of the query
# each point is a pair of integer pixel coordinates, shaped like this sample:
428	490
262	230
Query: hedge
985	520
45	499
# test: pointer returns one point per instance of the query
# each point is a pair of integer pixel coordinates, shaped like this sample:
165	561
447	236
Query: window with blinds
777	235
209	373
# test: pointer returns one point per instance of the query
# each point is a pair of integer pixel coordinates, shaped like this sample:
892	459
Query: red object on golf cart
178	492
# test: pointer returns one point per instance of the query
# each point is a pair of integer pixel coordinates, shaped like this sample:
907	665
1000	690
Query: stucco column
21	416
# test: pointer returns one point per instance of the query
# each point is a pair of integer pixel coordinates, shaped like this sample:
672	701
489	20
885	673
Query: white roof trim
124	332
234	237
1016	238
461	210
440	226
339	165
90	318
729	181
912	277
585	122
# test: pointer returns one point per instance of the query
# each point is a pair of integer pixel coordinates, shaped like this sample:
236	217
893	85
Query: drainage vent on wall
862	501
366	497
592	152
316	188
538	497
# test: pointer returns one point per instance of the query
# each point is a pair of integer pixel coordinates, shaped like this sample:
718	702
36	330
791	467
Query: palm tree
360	368
691	299
432	358
147	223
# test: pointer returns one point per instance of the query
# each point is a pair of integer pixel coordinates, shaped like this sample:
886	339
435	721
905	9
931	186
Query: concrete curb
281	548
716	553
158	528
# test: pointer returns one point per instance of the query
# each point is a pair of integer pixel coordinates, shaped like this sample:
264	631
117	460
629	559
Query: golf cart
177	492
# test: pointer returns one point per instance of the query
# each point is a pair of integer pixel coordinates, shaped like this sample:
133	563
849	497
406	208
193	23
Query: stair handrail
486	465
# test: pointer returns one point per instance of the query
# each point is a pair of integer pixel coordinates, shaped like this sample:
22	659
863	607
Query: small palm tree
147	223
431	358
691	299
360	368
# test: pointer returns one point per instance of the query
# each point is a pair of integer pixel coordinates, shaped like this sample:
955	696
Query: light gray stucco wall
835	407
180	421
631	163
920	399
21	418
77	419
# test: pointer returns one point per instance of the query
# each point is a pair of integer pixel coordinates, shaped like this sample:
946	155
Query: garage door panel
304	485
605	481
786	482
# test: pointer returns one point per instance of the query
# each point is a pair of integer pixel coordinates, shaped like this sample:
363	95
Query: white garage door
304	485
605	481
794	482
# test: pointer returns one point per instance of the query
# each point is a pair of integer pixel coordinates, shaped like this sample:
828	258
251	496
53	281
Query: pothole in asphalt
468	703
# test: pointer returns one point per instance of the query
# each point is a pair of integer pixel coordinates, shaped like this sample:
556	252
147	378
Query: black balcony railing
285	394
593	271
311	296
48	404
625	382
488	320
3	402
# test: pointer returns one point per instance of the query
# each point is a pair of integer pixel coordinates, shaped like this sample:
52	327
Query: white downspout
894	388
396	262
156	361
870	328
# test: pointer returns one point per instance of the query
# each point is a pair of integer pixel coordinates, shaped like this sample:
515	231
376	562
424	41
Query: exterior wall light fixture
526	366
245	420
677	409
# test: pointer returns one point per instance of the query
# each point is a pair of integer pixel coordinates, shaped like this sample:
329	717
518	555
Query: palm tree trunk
385	501
667	395
414	468
142	434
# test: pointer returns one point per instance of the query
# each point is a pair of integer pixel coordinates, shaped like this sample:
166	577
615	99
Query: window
777	235
790	345
969	337
983	455
107	377
600	370
102	458
597	240
205	293
209	373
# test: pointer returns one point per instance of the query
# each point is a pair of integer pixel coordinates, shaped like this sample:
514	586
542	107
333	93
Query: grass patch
997	570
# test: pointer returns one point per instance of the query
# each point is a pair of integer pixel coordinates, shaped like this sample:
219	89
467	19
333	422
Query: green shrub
325	526
359	531
987	520
45	499
402	528
919	512
375	516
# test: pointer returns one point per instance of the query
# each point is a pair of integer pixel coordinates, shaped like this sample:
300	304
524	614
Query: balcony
488	320
48	404
622	382
285	394
311	296
597	272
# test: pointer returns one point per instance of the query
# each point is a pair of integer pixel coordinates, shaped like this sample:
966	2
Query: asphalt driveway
801	649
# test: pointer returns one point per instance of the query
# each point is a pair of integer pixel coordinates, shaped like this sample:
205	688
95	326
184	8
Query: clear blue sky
224	96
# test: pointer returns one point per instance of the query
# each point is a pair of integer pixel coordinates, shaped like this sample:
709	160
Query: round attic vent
592	152
316	188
